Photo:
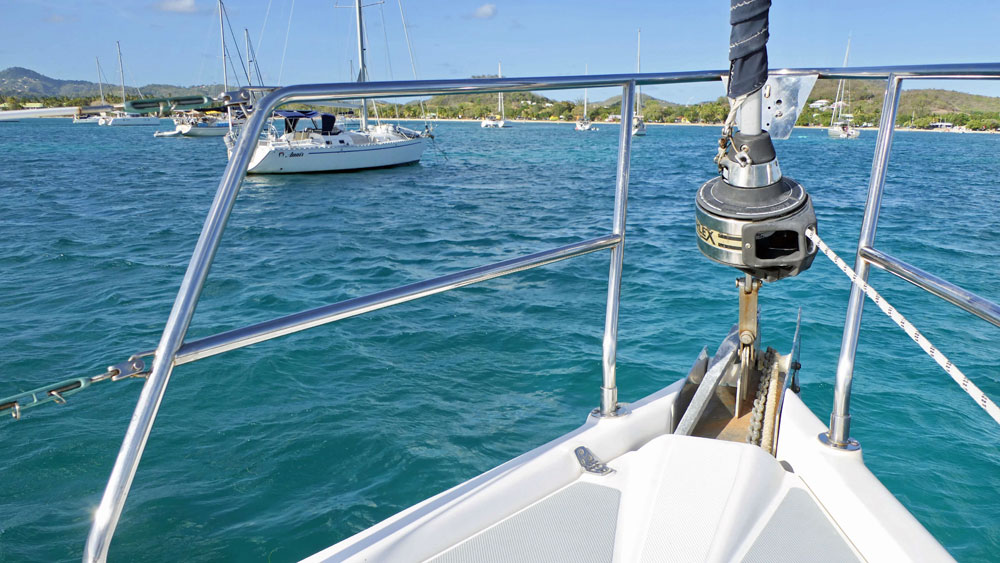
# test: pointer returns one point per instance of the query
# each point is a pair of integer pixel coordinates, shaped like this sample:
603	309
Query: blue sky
177	41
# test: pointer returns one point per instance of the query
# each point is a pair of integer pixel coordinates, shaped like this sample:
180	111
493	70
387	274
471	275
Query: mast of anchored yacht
361	61
838	102
638	68
222	35
500	110
100	83
121	70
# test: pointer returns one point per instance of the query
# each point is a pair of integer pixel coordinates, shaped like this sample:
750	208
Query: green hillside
28	85
921	106
646	100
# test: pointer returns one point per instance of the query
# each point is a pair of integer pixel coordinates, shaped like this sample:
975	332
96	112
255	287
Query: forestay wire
975	392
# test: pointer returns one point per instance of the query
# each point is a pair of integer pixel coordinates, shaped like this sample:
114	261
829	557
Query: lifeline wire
975	392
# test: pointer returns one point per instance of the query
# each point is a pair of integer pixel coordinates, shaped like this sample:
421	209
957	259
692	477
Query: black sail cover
747	46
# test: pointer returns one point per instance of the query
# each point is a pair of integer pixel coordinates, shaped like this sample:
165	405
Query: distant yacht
100	86
197	124
324	147
493	120
638	125
841	126
584	123
203	124
121	118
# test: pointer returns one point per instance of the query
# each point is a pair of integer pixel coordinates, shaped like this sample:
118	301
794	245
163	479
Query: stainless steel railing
172	350
840	419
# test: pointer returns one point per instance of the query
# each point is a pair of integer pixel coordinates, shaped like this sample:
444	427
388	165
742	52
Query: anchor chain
759	402
59	391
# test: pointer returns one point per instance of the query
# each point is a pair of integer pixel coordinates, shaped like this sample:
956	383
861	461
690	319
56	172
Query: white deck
671	498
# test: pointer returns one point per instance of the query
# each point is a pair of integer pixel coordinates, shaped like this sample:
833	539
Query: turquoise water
281	449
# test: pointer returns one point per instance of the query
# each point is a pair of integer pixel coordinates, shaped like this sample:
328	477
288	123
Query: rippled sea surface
276	451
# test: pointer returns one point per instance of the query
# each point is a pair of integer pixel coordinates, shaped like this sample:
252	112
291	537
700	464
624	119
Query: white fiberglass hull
489	123
669	497
91	119
189	130
639	130
119	121
841	133
588	126
275	159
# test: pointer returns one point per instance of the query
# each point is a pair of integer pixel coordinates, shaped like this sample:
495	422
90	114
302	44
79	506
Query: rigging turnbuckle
57	392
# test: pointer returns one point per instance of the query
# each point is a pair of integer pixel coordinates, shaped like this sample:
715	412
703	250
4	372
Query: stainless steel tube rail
108	512
982	308
354	90
609	387
241	337
122	474
838	435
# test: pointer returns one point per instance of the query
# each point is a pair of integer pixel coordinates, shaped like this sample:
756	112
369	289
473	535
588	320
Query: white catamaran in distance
584	123
327	148
638	125
841	122
499	120
121	118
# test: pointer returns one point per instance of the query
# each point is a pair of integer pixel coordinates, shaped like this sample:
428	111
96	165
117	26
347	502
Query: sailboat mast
500	95
638	68
246	38
222	36
100	85
838	100
586	70
361	63
121	70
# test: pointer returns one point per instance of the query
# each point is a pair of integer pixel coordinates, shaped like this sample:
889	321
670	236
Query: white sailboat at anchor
638	125
499	120
584	124
123	118
204	124
327	148
841	122
100	85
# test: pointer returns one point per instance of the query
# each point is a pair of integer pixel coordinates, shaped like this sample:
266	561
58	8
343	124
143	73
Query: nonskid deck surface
669	498
675	499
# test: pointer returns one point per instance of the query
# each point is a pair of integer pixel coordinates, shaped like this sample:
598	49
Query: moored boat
122	118
841	122
327	148
499	120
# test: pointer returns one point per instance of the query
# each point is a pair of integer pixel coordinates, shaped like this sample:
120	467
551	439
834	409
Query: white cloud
485	12
179	6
